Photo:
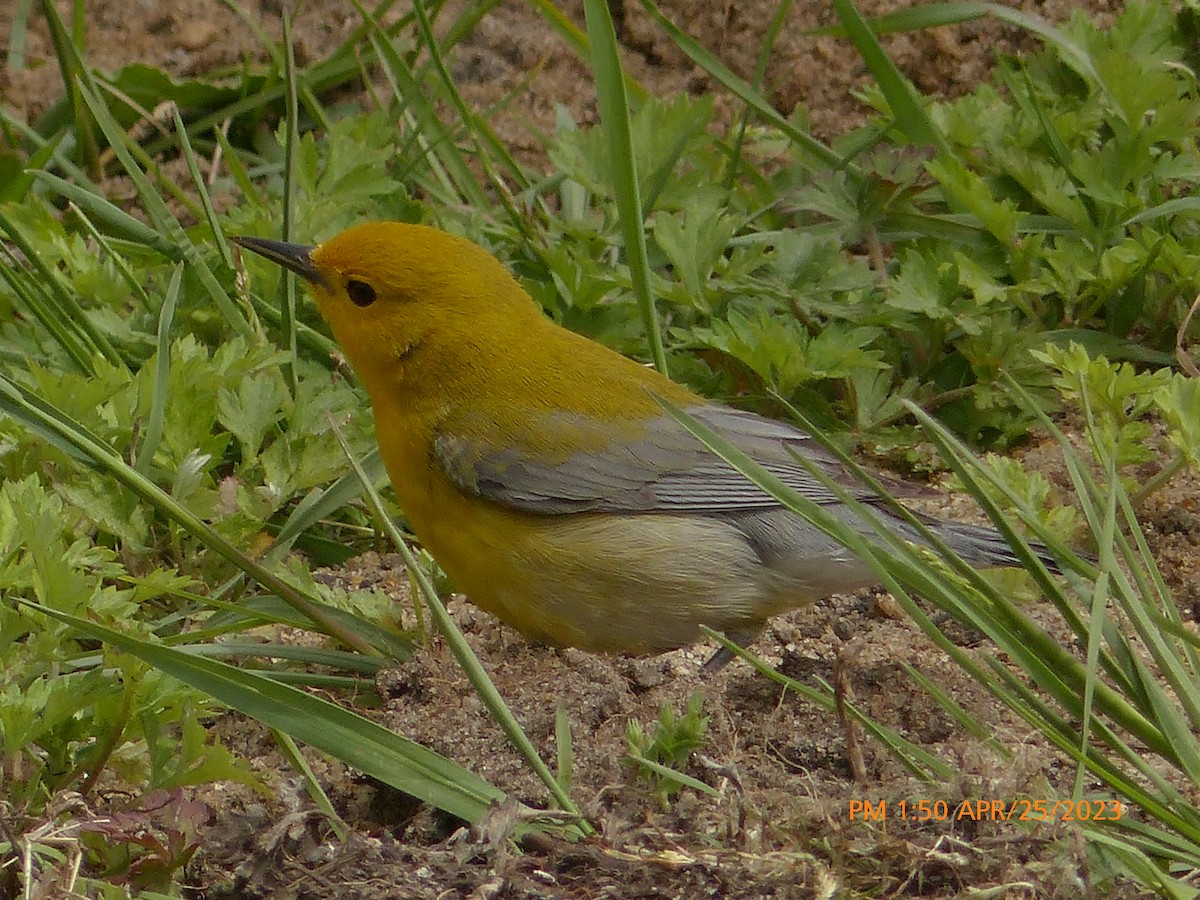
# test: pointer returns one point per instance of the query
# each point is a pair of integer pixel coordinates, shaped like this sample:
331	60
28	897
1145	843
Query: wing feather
664	469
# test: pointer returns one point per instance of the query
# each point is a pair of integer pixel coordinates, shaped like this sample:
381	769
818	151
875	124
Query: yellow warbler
537	468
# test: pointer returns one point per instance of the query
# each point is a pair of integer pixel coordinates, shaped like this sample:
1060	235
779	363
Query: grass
175	421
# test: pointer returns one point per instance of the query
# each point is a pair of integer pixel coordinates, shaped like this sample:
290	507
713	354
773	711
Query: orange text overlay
1022	810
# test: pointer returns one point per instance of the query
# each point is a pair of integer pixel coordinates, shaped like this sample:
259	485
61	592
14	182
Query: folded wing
664	468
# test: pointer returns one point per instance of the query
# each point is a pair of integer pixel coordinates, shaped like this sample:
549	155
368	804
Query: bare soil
782	825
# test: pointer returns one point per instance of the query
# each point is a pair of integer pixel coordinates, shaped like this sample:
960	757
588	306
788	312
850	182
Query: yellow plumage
538	469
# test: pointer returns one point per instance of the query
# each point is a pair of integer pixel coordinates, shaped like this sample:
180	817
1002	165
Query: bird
540	470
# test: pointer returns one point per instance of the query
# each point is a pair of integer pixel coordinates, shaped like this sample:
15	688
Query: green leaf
345	735
252	409
694	240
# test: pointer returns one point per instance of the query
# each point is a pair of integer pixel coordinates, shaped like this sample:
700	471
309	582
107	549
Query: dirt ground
782	826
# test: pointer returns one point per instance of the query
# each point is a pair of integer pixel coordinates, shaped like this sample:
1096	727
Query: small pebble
196	34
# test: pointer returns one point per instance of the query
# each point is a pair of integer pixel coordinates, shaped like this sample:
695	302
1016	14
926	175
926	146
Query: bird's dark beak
296	257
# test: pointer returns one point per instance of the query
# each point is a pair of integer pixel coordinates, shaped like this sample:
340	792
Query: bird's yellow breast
609	582
473	540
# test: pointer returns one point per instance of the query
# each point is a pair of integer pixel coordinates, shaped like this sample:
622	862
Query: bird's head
392	291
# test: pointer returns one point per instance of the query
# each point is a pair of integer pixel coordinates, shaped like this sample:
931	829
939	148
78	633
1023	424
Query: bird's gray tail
985	547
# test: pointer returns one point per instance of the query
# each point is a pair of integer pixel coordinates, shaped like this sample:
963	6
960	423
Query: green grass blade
237	168
291	149
760	74
152	436
918	761
77	77
299	653
577	40
468	118
15	188
1070	52
347	736
1147	872
273	610
737	86
666	773
564	750
1066	666
56	308
45	419
210	213
902	98
322	502
614	117
414	95
15	58
471	666
967	721
118	222
54	144
931	15
312	785
119	261
917	18
156	209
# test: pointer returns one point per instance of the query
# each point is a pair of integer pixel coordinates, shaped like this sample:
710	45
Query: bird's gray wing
663	468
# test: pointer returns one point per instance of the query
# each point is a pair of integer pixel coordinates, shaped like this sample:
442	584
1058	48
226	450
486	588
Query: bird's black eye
361	293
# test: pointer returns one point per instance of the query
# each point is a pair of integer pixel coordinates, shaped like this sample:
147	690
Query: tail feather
985	546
